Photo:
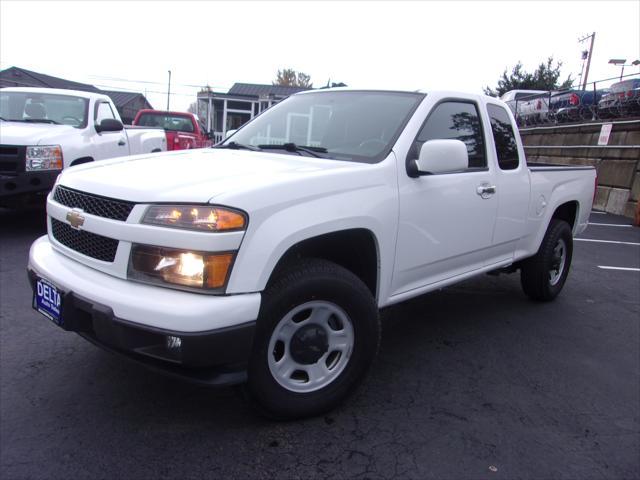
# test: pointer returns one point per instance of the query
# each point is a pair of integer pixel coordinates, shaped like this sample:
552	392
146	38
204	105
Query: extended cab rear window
504	138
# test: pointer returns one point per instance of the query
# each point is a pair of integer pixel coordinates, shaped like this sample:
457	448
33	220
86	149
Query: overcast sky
393	45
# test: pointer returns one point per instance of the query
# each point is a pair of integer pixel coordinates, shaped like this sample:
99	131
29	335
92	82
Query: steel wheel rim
558	262
299	377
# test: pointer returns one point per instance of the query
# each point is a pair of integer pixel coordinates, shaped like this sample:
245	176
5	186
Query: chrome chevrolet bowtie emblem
75	219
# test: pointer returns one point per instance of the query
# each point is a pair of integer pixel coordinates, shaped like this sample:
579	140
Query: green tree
545	77
290	78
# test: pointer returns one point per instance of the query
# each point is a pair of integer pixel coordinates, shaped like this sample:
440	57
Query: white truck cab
267	258
44	130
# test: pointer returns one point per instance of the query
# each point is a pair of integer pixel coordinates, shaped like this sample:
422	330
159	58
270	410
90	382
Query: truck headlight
193	270
195	217
48	157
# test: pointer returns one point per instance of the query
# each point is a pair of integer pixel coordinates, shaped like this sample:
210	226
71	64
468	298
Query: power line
116	79
148	91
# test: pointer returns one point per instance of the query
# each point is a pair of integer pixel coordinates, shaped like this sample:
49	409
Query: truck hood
21	133
197	176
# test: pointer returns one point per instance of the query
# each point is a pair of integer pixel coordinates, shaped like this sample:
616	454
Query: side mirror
229	133
440	156
109	125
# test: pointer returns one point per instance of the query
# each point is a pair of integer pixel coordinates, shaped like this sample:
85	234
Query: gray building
222	112
128	104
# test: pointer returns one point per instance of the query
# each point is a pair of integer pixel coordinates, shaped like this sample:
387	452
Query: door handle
486	190
121	143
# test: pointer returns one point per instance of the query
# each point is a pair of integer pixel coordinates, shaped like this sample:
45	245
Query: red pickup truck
182	129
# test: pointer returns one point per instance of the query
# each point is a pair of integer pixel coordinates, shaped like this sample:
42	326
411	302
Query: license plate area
47	299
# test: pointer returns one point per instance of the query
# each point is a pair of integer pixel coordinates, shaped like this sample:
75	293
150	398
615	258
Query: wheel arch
81	160
355	249
568	212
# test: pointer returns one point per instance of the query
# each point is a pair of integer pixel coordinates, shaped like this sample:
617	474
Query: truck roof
165	112
56	91
442	93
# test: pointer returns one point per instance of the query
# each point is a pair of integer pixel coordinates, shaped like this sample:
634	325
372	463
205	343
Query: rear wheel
543	275
317	334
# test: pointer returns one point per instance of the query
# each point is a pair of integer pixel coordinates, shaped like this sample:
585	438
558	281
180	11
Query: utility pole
169	89
586	73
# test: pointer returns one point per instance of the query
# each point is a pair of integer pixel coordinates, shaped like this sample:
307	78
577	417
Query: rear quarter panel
550	188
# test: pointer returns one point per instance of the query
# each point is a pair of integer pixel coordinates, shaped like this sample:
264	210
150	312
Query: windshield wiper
39	120
238	146
292	147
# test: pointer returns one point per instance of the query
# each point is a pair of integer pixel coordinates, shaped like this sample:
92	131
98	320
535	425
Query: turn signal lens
196	270
195	217
216	270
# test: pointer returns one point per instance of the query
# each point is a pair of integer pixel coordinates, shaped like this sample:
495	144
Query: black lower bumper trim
217	357
27	183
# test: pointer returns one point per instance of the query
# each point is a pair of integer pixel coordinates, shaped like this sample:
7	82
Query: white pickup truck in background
266	259
44	130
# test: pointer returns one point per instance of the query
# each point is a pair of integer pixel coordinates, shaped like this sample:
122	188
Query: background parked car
572	105
513	98
183	130
622	99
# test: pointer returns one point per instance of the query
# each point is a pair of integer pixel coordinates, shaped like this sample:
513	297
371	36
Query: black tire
312	280
542	276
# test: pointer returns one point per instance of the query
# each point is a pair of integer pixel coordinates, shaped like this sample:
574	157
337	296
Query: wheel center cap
308	344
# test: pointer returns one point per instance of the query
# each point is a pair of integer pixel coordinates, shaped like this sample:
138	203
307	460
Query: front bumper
144	322
27	183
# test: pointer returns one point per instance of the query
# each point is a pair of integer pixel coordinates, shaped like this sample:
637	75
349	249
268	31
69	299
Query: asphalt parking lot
474	381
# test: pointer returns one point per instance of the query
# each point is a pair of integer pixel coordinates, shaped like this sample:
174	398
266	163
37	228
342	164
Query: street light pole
169	89
586	73
622	62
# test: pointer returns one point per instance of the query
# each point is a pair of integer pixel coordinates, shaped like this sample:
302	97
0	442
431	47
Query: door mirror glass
441	156
109	125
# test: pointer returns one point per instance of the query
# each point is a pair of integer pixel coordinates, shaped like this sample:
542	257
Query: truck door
108	144
446	220
512	183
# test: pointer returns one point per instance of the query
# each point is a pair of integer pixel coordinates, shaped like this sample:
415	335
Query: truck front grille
12	159
87	243
94	204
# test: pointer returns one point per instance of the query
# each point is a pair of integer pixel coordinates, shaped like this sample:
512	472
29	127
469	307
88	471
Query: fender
273	231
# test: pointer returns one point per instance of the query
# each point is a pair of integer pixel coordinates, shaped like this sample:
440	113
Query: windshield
350	125
174	123
44	108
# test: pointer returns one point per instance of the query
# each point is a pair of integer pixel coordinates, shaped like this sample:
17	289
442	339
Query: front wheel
543	275
317	334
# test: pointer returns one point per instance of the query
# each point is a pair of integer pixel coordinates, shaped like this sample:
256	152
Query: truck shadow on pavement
26	221
441	339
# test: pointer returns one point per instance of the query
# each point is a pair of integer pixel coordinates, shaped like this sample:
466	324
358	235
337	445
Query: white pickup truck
266	259
44	130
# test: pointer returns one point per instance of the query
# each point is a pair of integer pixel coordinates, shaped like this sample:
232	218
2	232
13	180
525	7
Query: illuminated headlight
196	217
44	158
190	270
